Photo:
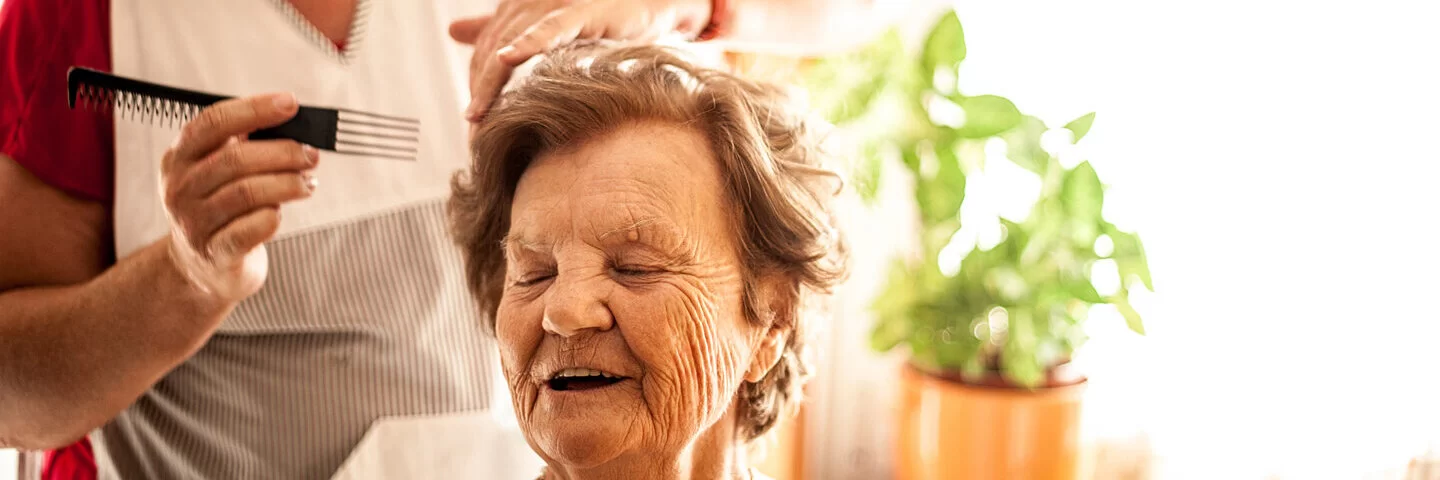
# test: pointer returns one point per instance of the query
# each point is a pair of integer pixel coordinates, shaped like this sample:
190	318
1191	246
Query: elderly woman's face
621	327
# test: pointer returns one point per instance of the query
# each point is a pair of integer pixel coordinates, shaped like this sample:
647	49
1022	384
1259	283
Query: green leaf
870	161
1015	234
910	156
888	333
1046	223
1084	291
938	191
894	308
935	236
1008	285
842	88
1023	145
954	345
1129	256
855	103
922	346
1132	317
1083	194
944	48
1020	360
987	116
1080	126
943	194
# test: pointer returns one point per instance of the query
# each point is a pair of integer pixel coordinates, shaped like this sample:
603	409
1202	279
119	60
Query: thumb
467	30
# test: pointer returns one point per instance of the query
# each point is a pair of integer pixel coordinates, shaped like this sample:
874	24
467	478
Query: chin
577	446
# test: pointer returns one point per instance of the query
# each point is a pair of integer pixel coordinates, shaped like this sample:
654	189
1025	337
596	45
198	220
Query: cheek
691	341
518	332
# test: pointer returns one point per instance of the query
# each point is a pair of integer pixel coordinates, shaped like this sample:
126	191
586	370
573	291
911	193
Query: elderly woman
647	234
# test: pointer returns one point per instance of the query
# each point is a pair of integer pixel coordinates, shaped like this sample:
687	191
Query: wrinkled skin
622	257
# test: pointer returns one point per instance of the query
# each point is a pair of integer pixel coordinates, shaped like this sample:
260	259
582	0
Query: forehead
648	176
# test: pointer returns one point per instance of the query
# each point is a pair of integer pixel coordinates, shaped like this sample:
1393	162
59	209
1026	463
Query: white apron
364	324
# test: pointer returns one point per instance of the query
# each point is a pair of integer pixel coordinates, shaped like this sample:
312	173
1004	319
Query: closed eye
630	271
533	280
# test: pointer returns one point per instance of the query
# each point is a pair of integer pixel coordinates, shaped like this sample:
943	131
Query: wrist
186	286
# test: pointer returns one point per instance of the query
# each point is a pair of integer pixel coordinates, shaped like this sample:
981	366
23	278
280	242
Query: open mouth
576	379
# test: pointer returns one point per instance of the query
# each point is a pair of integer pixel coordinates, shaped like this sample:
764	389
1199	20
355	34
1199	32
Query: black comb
338	130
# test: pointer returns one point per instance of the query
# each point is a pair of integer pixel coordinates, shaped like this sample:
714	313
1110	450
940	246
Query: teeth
583	372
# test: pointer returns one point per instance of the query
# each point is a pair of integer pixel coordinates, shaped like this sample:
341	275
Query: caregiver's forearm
804	26
73	357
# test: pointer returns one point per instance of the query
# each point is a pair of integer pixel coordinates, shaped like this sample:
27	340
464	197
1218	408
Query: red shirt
71	150
39	40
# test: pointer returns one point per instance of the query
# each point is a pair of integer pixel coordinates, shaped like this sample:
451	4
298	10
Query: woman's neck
717	454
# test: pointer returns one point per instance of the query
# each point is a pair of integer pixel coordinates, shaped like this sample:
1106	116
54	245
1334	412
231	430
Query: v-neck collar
341	53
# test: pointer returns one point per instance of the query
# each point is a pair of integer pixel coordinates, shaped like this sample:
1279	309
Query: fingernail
285	102
472	111
505	52
310	182
312	155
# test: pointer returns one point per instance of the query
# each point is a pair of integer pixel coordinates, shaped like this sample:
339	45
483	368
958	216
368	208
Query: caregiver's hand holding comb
223	193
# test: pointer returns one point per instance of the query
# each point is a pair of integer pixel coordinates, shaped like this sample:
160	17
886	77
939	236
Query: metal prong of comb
375	135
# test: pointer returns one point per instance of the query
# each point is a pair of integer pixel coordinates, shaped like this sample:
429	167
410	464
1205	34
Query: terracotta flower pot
951	430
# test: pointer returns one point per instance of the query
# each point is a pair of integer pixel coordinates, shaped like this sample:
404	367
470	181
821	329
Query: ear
777	299
768	353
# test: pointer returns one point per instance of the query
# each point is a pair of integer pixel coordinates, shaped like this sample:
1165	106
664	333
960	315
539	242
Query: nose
575	305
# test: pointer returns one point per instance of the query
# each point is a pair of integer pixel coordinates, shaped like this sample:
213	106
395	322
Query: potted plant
990	327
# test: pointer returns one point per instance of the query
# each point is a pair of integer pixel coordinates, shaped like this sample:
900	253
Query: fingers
236	117
240	159
557	28
487	73
241	236
491	78
468	30
237	199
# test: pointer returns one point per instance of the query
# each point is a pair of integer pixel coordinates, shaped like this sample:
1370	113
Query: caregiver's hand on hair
664	227
521	29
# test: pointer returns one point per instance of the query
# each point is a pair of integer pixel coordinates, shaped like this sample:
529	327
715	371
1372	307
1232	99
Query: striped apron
365	319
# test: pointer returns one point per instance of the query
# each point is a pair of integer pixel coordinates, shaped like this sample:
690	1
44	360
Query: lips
579	379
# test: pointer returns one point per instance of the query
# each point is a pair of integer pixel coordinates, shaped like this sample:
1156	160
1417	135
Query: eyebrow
512	241
509	242
681	254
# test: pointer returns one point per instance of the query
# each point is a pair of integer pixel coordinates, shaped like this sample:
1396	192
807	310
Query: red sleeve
75	462
74	151
39	40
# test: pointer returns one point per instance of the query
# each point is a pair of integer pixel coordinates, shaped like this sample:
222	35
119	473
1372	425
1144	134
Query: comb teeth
361	133
135	106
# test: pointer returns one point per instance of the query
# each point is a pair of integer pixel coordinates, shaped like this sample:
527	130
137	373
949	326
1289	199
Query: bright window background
1279	160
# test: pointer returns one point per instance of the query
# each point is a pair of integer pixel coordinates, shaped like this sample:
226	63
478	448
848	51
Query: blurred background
1278	160
1265	167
